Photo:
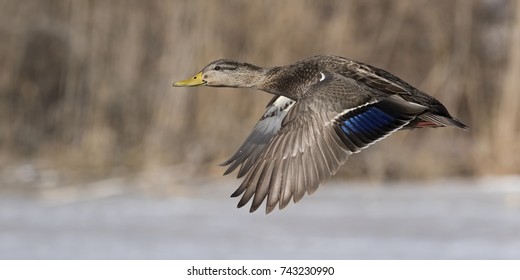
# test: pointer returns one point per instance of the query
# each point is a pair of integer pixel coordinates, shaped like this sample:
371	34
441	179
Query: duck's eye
216	68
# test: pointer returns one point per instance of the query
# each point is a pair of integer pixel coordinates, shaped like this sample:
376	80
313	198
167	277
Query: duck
324	109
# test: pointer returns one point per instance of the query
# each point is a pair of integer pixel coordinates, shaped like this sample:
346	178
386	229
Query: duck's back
383	84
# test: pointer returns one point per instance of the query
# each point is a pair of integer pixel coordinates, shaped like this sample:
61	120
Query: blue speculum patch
368	121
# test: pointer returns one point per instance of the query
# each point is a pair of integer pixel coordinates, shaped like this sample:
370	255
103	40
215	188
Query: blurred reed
86	85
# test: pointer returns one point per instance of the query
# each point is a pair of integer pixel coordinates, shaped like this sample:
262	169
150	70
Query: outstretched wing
315	138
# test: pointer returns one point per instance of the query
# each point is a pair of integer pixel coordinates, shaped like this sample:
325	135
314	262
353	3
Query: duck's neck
254	79
269	81
272	81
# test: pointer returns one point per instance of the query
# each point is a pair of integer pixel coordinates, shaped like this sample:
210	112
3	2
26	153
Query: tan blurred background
85	86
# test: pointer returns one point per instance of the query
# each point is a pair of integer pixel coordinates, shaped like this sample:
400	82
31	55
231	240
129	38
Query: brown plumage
324	109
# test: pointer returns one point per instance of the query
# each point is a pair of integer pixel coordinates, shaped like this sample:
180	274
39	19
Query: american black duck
324	109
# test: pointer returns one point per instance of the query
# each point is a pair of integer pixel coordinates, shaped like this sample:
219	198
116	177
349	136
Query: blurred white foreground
455	219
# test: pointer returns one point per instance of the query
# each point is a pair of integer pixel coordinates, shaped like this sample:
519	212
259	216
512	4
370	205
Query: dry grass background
86	85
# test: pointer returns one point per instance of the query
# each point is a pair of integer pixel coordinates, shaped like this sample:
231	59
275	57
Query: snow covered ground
452	219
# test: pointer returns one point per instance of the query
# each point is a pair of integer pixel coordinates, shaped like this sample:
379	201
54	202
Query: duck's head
226	73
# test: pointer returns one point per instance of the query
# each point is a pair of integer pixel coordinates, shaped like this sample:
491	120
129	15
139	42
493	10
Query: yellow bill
195	81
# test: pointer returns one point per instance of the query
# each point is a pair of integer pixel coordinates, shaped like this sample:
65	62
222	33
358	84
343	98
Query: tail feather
429	119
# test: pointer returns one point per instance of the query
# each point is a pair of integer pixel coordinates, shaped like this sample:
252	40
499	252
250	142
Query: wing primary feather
248	188
304	170
247	181
313	178
326	156
248	164
306	139
261	189
287	191
332	151
275	188
300	182
320	163
283	181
